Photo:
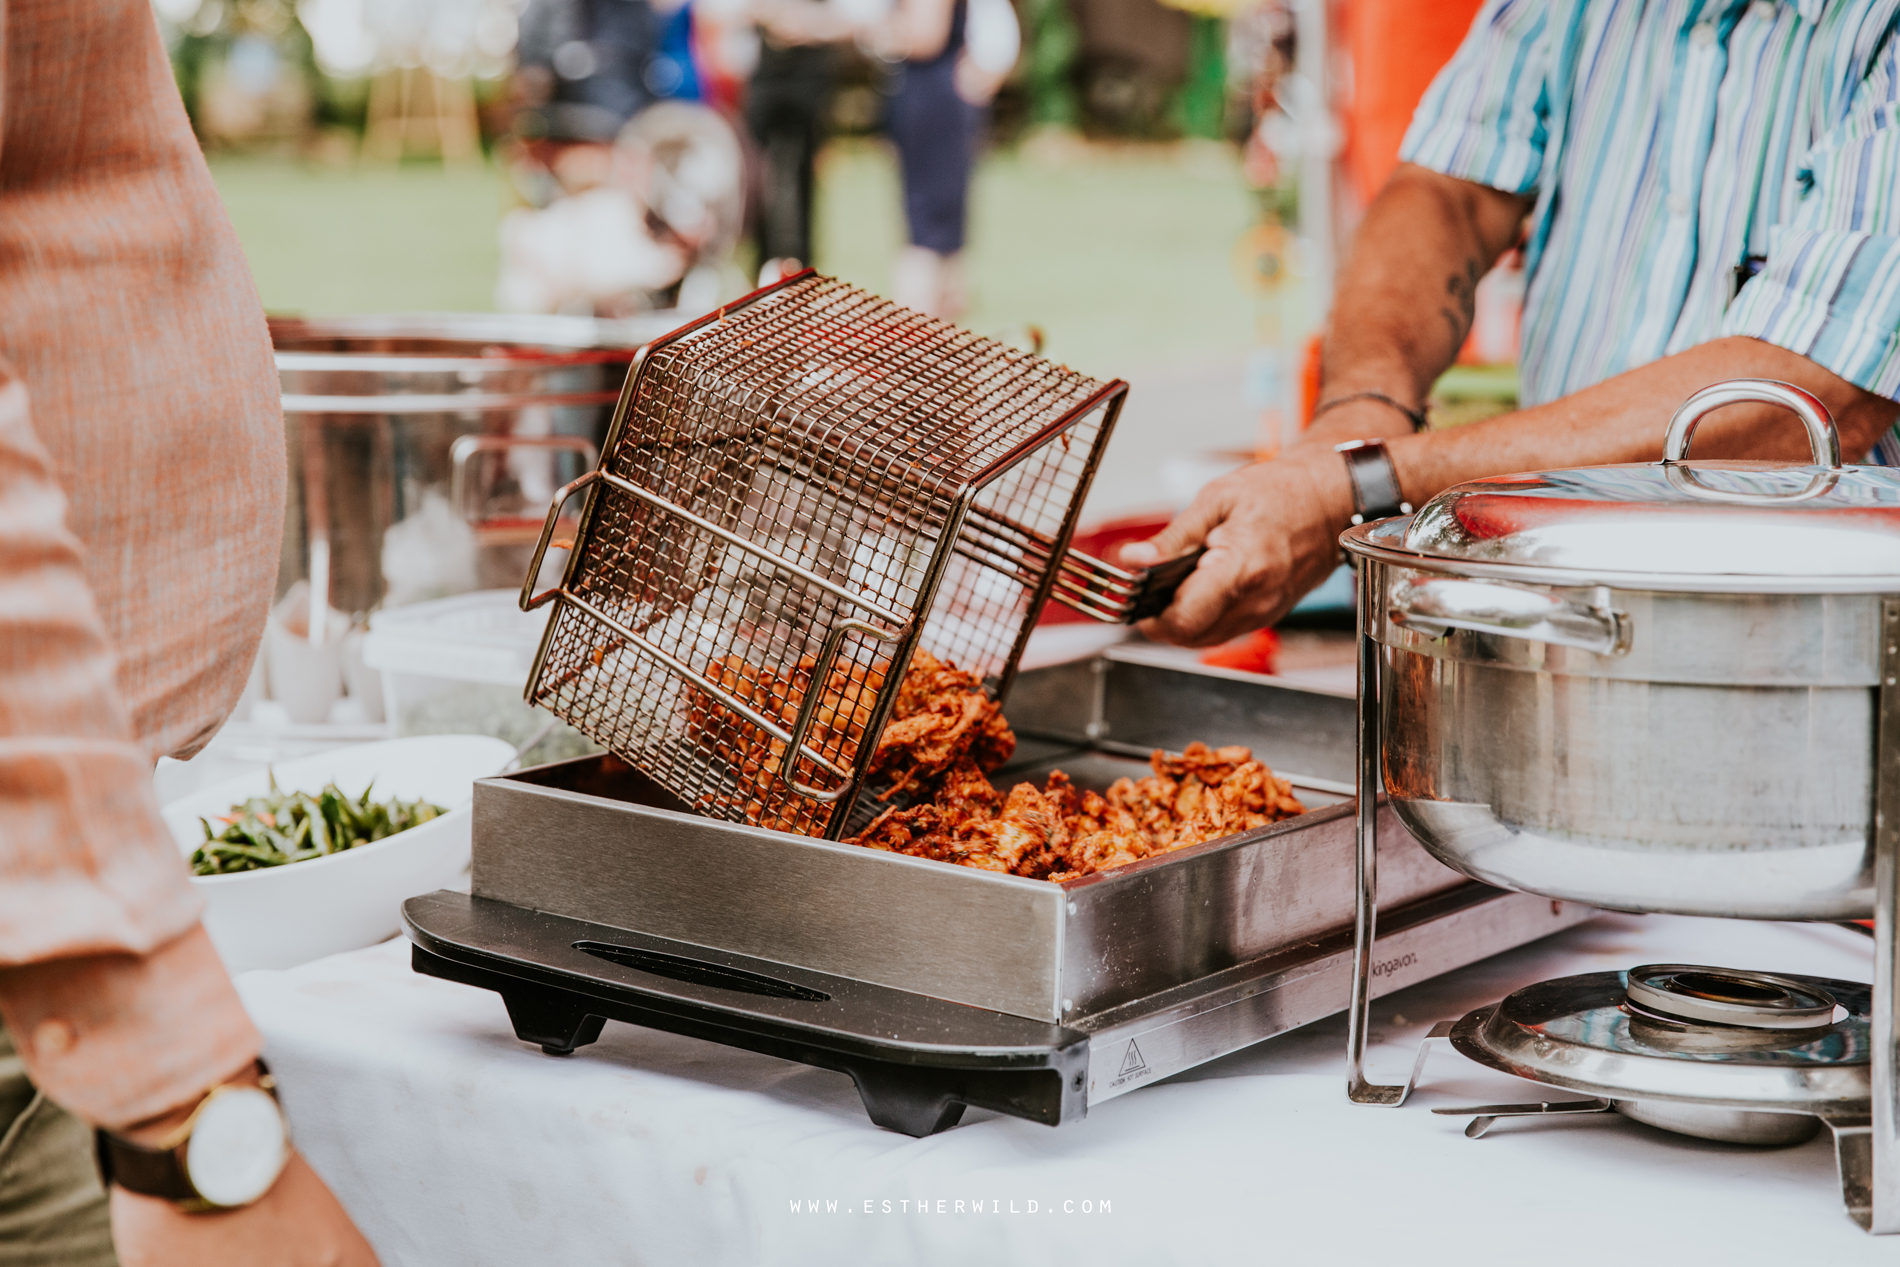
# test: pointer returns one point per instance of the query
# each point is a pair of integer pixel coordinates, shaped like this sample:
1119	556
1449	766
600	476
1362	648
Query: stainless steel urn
1645	687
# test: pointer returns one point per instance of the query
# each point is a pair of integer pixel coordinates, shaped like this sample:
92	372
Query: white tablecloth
454	1144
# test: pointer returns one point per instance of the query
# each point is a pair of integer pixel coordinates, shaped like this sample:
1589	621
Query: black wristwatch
1375	485
228	1153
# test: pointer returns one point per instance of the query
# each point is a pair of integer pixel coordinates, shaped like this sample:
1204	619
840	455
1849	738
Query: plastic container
457	666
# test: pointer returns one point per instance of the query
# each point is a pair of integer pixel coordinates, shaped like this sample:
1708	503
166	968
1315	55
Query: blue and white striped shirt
1668	141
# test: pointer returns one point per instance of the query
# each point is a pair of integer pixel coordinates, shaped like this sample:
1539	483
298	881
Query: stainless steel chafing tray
1171	961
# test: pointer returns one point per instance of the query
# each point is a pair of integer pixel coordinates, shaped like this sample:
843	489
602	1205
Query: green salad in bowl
282	827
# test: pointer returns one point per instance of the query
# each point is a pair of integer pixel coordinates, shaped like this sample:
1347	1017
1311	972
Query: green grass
371	239
1121	254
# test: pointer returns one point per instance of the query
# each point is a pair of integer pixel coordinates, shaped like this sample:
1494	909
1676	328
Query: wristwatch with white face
228	1153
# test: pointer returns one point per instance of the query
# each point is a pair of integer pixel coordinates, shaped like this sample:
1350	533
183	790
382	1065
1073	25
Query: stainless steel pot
1645	687
386	415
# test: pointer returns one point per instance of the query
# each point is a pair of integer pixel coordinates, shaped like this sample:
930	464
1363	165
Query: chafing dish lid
1687	518
1677	518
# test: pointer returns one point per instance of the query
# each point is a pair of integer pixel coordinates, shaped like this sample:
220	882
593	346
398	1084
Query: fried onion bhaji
1061	832
841	716
942	721
942	717
944	737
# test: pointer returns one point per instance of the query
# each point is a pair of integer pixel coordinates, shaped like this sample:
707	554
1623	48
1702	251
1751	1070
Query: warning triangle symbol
1132	1063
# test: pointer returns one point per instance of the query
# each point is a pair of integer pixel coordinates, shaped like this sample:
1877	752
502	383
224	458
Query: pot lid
1677	518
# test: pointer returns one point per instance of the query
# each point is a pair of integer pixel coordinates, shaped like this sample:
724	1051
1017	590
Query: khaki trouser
52	1207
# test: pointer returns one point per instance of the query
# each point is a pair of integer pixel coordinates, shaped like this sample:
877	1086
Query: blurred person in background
952	57
1710	195
580	74
627	180
785	107
141	507
673	72
582	67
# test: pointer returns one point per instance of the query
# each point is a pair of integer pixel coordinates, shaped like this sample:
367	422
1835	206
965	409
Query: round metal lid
1725	525
1577	1032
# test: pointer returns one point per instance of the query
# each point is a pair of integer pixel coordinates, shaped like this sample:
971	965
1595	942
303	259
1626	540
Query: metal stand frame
1881	1182
1866	1149
1366	868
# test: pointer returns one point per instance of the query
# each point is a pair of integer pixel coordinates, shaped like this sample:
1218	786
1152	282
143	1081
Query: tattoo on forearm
1463	290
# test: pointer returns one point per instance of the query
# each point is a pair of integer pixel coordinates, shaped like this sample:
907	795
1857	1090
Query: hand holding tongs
1117	597
1088	585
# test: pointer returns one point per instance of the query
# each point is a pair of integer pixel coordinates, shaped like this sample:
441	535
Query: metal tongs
1115	597
1083	582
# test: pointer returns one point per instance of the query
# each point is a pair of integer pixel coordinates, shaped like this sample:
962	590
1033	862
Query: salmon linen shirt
141	507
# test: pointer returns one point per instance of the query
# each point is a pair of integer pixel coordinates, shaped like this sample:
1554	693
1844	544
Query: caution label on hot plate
1133	1066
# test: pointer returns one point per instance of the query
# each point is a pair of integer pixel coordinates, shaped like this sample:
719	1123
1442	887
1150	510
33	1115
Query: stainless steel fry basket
797	492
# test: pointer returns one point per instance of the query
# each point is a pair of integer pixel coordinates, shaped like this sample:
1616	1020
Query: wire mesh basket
797	492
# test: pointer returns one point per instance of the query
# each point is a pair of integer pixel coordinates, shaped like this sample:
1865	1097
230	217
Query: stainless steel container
595	894
469	417
1646	687
600	842
1670	687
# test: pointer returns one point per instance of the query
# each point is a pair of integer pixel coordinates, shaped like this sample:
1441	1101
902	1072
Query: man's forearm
1271	528
116	1000
1623	419
1410	288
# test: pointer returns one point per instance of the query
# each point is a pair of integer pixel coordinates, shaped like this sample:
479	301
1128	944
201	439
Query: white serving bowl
280	917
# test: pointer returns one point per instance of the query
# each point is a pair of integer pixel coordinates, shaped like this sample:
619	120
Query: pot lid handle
1823	440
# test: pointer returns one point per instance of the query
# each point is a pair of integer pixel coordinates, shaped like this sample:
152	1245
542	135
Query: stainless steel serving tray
595	841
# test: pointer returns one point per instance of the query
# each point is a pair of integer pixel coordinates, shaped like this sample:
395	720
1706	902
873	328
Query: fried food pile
943	720
945	737
842	713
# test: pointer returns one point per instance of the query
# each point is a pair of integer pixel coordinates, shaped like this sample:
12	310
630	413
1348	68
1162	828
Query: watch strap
1375	484
150	1172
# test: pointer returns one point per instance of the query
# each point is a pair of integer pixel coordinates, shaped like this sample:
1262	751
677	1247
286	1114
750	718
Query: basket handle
529	599
814	696
1104	592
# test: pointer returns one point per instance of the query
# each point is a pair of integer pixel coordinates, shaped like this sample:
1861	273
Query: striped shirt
1668	142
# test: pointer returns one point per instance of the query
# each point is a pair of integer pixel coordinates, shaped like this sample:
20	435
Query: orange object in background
1309	380
1396	47
1257	652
